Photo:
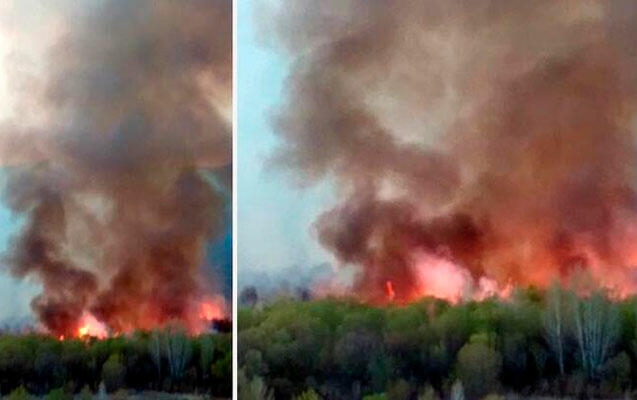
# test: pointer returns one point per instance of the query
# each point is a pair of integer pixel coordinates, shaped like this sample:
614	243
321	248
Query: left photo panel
116	198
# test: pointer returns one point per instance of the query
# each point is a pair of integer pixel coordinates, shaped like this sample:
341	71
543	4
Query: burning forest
115	157
475	146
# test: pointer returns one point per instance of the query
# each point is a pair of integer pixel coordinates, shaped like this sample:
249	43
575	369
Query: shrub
399	390
85	393
58	394
120	394
308	395
19	393
428	393
377	396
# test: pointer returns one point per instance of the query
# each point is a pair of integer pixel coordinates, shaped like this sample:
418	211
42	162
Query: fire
525	178
91	327
389	288
121	233
210	310
207	310
439	277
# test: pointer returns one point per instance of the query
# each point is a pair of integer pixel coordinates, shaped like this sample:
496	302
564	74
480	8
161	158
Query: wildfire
206	311
91	327
389	289
210	310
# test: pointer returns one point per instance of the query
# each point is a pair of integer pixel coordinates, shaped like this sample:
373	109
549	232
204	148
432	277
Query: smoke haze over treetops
475	145
111	150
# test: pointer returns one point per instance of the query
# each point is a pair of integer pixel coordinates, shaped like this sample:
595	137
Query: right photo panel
436	199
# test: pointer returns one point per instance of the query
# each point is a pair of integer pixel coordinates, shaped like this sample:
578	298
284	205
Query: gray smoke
496	135
113	186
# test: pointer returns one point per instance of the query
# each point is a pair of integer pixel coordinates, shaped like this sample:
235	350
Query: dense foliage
167	360
551	343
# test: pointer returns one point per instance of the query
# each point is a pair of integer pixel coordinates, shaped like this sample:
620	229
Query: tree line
535	343
165	360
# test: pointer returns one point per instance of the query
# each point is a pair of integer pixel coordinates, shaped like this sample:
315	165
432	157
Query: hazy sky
14	295
17	19
274	217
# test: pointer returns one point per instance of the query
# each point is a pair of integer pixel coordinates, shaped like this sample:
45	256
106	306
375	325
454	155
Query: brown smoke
494	136
115	188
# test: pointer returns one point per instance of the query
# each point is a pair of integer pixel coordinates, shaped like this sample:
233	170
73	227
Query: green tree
596	329
252	389
221	372
253	363
15	360
616	374
155	350
478	368
354	351
48	366
113	373
206	349
178	351
555	322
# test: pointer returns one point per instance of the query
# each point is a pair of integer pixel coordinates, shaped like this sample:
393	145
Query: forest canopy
165	360
536	342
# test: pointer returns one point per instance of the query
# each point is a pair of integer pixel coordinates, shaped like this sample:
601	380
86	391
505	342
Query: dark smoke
495	135
116	187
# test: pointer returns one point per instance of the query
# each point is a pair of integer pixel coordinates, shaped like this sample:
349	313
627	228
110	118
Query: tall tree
178	350
555	322
596	329
155	353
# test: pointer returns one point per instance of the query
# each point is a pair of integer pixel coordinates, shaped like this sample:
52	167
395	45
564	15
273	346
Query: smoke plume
484	142
117	186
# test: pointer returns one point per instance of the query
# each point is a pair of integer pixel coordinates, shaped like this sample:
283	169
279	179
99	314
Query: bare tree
178	351
555	322
596	328
457	391
155	353
253	389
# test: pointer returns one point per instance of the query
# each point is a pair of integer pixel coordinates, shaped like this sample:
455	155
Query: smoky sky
118	183
496	135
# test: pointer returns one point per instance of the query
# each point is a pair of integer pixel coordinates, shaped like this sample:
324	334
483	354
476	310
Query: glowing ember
91	327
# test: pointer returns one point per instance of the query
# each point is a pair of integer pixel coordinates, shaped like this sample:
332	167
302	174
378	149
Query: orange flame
389	288
91	327
205	311
210	311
